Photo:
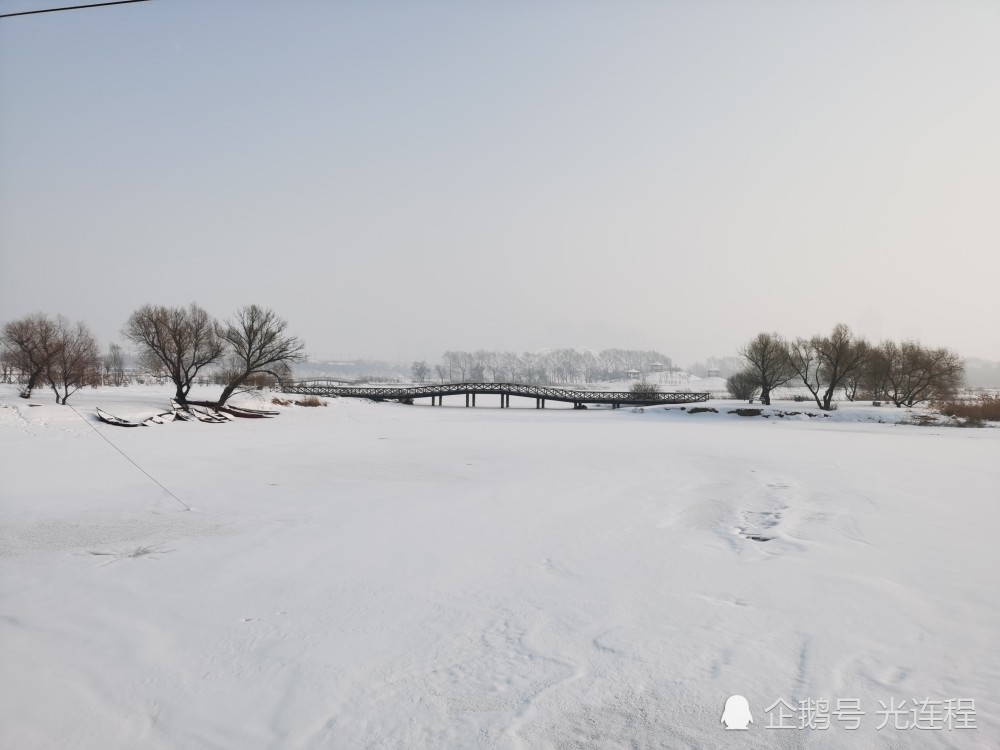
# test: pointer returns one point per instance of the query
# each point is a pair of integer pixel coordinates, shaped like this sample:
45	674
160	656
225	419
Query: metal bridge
540	393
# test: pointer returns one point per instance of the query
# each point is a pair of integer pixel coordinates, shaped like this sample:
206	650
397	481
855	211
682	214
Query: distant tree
531	368
420	371
258	342
914	374
743	385
75	361
487	362
441	371
766	358
7	366
510	364
611	362
178	341
31	342
823	363
114	365
875	374
457	364
843	356
591	366
982	373
804	361
853	383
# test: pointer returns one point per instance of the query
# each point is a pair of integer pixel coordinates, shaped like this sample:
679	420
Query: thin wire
70	7
105	439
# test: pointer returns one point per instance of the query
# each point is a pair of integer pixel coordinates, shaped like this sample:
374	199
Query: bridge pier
473	399
466	400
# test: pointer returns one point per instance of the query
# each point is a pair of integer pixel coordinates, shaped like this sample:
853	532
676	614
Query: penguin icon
736	714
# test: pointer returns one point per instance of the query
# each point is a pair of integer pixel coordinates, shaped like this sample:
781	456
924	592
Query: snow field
378	575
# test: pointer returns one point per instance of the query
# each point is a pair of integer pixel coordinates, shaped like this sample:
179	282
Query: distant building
713	372
632	374
657	367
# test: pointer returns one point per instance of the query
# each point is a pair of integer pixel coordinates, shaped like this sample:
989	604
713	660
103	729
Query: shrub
743	385
310	401
985	408
642	389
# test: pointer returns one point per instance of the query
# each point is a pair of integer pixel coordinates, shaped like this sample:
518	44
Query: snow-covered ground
386	576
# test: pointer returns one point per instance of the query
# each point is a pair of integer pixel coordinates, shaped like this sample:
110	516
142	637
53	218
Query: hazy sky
401	178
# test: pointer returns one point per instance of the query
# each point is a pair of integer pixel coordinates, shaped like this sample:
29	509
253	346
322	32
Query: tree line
904	373
550	367
173	342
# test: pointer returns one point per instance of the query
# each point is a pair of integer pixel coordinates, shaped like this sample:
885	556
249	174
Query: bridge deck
541	393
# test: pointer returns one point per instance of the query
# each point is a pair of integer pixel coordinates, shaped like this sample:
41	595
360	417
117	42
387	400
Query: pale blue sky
397	179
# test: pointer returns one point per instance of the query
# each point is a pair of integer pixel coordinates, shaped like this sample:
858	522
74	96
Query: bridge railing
508	389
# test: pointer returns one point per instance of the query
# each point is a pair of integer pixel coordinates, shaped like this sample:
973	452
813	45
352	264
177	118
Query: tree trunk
229	390
32	382
765	397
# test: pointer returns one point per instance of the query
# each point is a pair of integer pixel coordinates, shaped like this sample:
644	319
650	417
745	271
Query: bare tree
804	362
258	343
489	361
7	366
766	358
114	365
875	375
456	363
743	385
853	382
478	364
591	367
823	363
178	341
914	374
420	371
511	366
31	342
842	358
75	360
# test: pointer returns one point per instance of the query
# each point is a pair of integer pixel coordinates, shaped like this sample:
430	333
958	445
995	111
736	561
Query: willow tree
31	342
766	359
178	341
257	342
75	362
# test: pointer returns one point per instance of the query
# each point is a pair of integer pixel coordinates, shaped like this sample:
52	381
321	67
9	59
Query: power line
103	437
70	7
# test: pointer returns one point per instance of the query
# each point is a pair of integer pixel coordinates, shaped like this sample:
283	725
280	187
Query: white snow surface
387	576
